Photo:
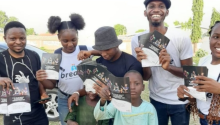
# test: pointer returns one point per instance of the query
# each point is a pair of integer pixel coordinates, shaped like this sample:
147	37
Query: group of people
76	106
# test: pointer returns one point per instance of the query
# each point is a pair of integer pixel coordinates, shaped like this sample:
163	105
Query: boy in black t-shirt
19	65
116	61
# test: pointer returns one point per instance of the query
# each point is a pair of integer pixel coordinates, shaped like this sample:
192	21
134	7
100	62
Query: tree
184	25
120	29
12	18
196	33
4	19
215	17
166	24
30	31
176	23
140	30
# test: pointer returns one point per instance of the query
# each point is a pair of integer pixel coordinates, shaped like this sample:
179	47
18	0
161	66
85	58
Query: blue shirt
145	114
122	65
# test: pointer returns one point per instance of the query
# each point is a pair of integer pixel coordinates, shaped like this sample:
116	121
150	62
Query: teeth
218	48
155	16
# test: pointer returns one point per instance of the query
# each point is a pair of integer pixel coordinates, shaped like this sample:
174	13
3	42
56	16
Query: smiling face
16	40
215	41
68	39
156	12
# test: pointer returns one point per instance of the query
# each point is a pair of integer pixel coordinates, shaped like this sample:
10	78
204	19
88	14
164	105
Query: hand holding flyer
51	64
91	73
190	73
152	44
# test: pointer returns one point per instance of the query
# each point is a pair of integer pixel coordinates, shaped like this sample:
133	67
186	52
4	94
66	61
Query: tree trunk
195	48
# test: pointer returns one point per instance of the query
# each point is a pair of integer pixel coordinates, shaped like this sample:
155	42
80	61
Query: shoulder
99	60
32	54
148	105
135	37
129	57
58	51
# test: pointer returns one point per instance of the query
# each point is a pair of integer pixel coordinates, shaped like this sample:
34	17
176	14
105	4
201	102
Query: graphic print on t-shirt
69	75
21	78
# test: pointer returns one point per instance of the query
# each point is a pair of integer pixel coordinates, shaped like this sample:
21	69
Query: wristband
76	93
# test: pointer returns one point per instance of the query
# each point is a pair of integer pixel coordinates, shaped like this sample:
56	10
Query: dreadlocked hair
210	32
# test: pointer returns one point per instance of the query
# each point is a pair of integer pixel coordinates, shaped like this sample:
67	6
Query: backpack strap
83	47
58	51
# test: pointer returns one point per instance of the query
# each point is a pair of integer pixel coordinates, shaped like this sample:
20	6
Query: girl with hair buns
69	82
209	111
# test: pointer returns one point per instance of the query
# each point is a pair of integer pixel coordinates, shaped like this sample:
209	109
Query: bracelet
76	93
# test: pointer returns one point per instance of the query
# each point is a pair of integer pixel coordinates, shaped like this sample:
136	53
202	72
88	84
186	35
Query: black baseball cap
166	2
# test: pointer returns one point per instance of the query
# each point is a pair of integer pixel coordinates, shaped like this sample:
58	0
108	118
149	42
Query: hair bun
77	20
53	24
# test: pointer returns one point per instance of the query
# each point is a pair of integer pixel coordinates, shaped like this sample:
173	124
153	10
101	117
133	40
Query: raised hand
41	75
83	55
181	92
102	90
5	82
164	58
140	54
207	85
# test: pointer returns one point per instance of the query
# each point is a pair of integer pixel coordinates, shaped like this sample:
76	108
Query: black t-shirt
122	65
23	70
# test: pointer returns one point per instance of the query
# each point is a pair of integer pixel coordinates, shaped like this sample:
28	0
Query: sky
97	13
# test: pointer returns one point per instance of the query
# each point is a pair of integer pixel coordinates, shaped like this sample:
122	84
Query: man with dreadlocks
209	111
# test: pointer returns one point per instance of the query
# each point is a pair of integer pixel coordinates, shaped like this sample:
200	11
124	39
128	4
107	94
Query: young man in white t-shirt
164	81
209	84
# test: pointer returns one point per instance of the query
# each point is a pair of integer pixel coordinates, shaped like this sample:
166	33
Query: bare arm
95	52
178	71
147	73
48	84
86	54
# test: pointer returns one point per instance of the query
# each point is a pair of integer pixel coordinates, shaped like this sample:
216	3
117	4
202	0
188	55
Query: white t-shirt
213	72
69	81
163	84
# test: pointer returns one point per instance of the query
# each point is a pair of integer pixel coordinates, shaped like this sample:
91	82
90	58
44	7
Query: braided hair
76	22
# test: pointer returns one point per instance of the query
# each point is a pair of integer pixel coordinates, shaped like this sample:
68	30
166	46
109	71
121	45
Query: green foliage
196	61
201	53
4	19
215	17
166	24
30	31
176	23
140	30
120	29
12	18
184	25
197	9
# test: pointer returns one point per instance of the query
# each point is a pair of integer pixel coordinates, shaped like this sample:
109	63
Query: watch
76	93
